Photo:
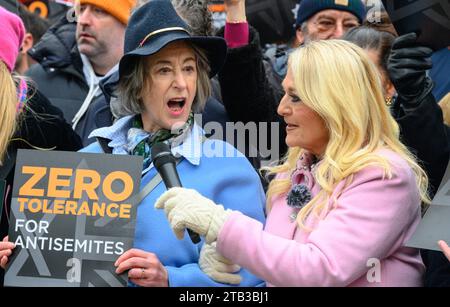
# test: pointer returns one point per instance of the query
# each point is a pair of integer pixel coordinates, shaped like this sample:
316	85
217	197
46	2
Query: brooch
298	196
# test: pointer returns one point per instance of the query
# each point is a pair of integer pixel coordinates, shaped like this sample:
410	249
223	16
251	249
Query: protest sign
72	216
435	224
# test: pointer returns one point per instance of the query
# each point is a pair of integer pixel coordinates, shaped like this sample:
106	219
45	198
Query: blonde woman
345	200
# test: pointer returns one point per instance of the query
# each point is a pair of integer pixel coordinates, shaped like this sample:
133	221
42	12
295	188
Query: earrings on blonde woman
388	100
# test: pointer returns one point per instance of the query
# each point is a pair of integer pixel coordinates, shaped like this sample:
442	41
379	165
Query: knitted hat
120	9
12	32
309	8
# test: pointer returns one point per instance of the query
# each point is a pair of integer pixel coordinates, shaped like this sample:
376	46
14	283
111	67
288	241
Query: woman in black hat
164	80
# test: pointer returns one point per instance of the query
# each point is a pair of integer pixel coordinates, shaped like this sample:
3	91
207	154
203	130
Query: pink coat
361	242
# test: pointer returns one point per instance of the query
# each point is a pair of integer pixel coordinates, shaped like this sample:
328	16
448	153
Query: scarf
140	142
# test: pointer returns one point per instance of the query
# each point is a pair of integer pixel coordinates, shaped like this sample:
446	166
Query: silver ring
142	272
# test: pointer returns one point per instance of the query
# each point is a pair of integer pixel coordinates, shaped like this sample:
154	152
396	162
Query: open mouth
176	105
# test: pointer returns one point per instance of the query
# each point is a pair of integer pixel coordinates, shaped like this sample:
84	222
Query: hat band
161	31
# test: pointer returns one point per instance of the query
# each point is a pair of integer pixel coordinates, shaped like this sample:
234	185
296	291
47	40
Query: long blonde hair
8	98
338	81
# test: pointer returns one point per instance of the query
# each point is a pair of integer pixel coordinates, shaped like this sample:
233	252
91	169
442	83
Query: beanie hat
12	32
309	8
120	9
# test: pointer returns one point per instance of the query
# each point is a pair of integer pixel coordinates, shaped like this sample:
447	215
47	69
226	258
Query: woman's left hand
145	269
186	208
445	249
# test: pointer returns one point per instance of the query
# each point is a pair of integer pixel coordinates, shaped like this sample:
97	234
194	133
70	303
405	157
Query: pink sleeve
236	34
372	219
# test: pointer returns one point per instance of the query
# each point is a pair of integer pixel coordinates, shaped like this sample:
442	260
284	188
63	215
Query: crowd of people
362	145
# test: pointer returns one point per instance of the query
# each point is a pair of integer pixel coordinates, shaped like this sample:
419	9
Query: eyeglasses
328	25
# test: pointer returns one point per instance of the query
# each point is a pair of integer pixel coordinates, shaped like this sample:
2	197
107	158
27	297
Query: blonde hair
338	81
8	99
445	106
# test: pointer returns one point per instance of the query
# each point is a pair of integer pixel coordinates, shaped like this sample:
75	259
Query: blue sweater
230	181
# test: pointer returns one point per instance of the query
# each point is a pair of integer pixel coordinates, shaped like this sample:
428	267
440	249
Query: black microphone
165	164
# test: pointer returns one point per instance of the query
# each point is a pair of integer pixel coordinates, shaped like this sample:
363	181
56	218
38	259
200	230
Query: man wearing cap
327	19
73	59
252	90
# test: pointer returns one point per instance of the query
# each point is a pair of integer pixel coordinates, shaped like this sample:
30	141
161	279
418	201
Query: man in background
74	58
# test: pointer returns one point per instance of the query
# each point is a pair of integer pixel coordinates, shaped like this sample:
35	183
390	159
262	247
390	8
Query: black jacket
59	74
423	131
251	91
41	125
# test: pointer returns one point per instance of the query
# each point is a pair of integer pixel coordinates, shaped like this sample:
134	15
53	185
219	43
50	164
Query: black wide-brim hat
156	24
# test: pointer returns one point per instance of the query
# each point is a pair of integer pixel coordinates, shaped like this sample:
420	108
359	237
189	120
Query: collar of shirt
189	148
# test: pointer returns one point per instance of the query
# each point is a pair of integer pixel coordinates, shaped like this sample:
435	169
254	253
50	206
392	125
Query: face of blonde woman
171	87
305	128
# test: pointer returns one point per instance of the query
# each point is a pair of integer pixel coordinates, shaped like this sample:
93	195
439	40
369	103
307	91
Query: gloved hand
217	267
407	66
186	208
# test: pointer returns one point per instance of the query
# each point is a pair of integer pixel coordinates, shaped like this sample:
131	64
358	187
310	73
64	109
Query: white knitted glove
186	208
217	267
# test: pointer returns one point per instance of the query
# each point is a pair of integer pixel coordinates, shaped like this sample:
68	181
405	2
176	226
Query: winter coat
360	242
251	91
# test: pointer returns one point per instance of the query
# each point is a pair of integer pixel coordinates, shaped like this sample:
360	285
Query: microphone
165	164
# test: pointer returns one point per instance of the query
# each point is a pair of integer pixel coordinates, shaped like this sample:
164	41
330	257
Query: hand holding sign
72	215
5	251
144	268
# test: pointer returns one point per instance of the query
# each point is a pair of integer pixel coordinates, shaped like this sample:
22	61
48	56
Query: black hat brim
215	48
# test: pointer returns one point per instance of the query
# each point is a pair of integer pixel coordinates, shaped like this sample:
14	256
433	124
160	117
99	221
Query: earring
388	100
